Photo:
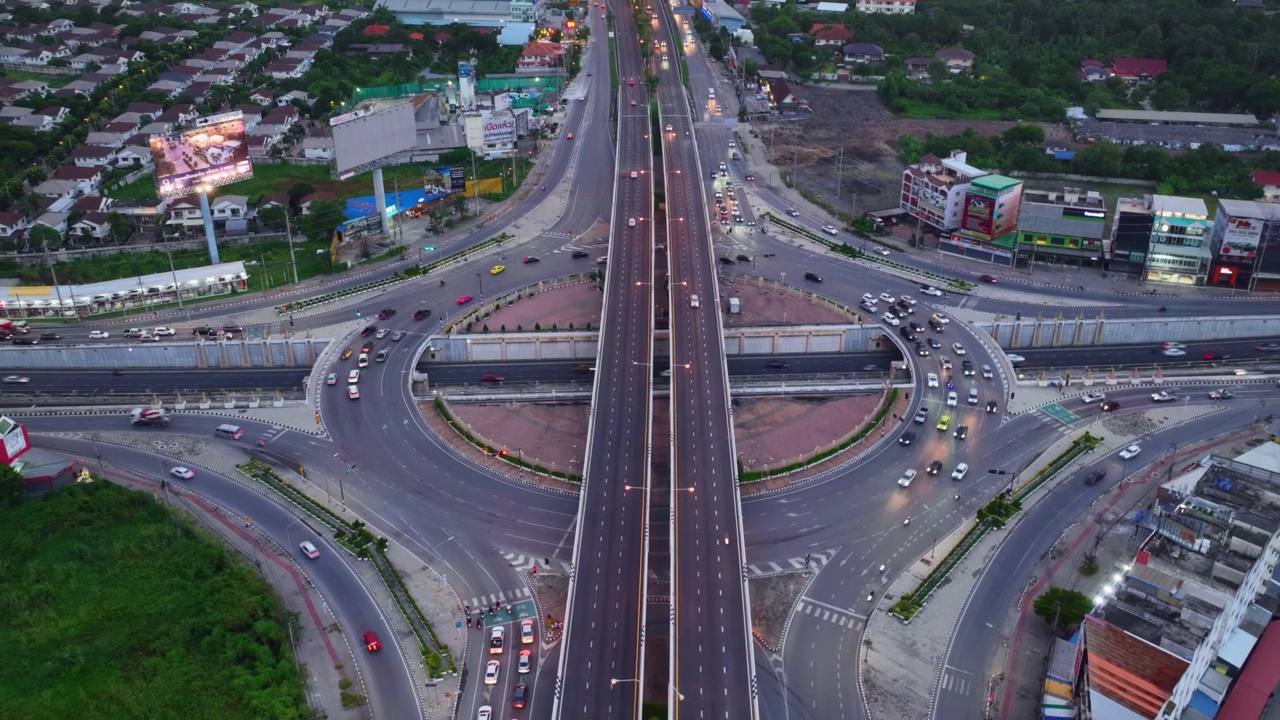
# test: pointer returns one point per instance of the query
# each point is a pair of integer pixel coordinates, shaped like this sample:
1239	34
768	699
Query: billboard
979	216
360	228
213	153
499	130
1241	238
437	180
372	137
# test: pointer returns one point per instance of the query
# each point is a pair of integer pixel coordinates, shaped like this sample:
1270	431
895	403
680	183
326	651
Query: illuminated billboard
212	153
1241	237
979	216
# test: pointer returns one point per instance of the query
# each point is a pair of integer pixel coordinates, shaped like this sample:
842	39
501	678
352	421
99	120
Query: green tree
272	217
43	236
1023	135
297	192
323	218
12	486
1065	607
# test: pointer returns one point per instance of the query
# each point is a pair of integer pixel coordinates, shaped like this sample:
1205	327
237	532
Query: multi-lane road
602	657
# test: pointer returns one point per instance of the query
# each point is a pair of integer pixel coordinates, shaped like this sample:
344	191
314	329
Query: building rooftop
1250	209
1175	206
995	183
958	164
1193	118
1066	197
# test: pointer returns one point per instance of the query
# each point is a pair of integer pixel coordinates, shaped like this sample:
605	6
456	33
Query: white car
486	713
491	672
932	291
973	396
940	318
496	636
986	372
907	477
1174	352
961	470
353	392
891	319
933	380
958	348
1015	358
634	174
526	632
868	298
888	298
182	473
148	338
309	550
331	379
99	335
382	332
946	363
1130	452
353	377
525	663
16	379
1164	396
1093	397
907	299
363	361
952	399
164	331
631	222
829	229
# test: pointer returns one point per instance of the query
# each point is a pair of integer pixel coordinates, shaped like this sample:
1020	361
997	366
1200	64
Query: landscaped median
992	516
356	538
852	252
883	411
400	276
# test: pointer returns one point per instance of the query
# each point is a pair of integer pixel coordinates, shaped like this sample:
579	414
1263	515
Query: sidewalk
901	662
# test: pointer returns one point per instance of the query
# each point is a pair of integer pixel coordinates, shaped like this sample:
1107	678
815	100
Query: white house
12	223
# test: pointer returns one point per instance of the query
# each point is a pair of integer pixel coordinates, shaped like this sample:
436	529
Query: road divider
848	250
992	516
356	538
409	273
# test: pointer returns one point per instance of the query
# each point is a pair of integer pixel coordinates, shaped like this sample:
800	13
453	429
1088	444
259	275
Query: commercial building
988	221
476	13
933	190
1179	633
722	14
1130	235
1161	238
1245	245
1061	227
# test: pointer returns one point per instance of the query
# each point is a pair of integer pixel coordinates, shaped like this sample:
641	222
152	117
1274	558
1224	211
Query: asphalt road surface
168	382
605	617
712	663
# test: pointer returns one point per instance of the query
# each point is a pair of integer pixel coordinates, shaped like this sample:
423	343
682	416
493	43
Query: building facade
1061	227
1179	251
528	11
1243	231
988	224
1130	235
933	191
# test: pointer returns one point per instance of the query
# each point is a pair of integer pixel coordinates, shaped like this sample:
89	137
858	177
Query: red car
632	81
988	279
366	348
371	642
569	136
490	377
465	299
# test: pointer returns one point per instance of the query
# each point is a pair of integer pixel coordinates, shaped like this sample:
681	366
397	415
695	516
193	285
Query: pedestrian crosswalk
841	617
813	561
957	681
510	596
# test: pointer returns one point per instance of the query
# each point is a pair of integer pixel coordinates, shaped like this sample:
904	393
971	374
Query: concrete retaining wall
581	345
294	352
1084	332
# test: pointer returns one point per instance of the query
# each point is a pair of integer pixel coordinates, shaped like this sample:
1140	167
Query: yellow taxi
497	269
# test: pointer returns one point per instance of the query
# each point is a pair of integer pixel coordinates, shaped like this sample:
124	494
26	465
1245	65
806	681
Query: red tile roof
378	30
837	34
1248	696
416	36
1138	67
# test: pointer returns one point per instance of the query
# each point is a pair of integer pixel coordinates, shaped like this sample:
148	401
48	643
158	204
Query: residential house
185	212
885	7
104	138
781	97
830	36
539	55
304	203
32	87
286	115
958	60
34	122
262	96
317	148
145	109
93	155
280	200
88	179
1138	71
135	152
289	97
91	203
1270	184
285	68
252	115
1093	71
246	8
57	189
10	92
12	223
93	225
199	90
144	214
179	114
55	220
863	54
13	112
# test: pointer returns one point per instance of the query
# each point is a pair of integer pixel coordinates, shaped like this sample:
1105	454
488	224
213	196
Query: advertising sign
979	216
15	440
457	179
1241	238
361	227
215	153
501	102
499	130
438	180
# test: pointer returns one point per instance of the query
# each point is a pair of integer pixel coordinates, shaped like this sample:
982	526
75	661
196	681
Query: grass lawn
53	81
119	609
270	179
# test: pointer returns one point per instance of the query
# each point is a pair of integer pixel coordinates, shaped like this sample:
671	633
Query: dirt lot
857	121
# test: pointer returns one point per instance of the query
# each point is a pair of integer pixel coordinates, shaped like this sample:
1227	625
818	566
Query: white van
231	432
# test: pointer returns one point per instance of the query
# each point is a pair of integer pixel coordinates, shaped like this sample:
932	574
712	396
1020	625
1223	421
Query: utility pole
839	177
288	231
475	179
